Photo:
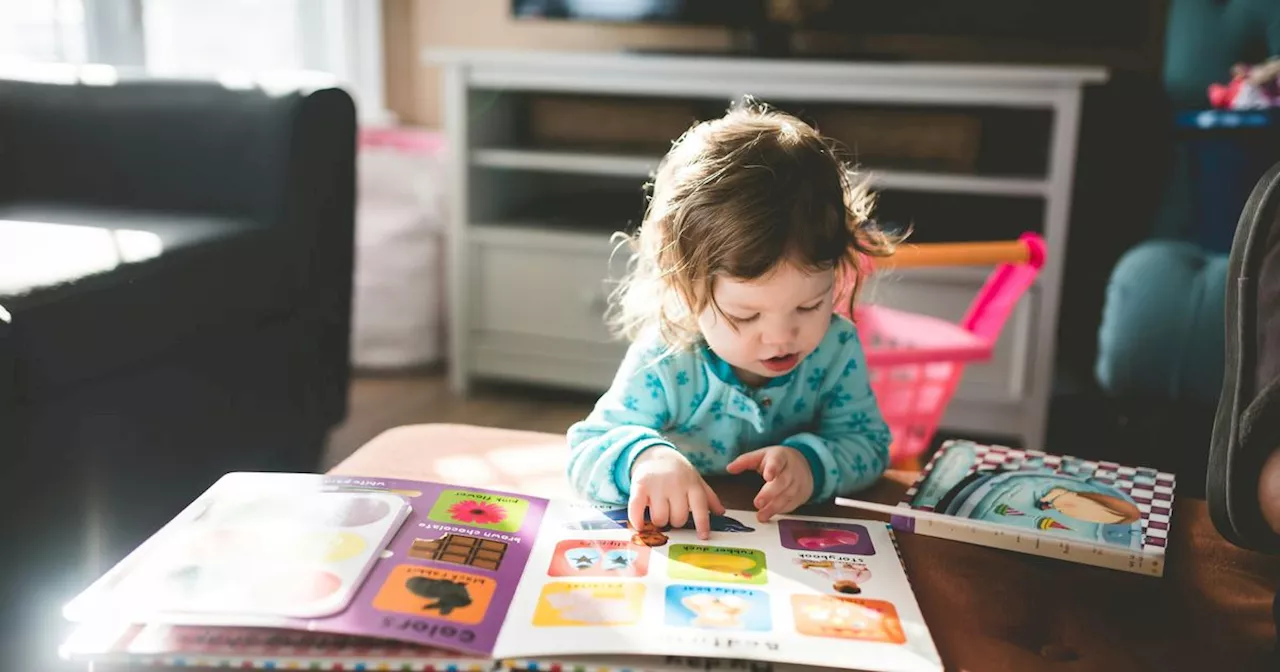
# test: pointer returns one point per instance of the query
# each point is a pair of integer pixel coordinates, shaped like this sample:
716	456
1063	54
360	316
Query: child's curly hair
734	197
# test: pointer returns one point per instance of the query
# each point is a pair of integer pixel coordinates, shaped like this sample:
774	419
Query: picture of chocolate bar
460	549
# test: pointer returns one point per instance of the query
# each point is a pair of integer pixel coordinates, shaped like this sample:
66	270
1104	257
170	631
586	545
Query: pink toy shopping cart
915	361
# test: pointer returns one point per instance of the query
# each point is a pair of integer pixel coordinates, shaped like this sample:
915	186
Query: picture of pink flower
477	512
489	510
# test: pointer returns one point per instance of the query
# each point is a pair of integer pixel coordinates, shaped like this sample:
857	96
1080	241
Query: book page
801	590
425	563
448	578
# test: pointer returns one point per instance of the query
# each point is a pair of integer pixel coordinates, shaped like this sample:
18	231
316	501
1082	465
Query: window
204	38
43	31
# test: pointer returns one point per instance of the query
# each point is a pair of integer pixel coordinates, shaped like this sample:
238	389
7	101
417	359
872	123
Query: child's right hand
664	481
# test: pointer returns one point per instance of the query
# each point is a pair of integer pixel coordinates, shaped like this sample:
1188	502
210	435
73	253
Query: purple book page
448	575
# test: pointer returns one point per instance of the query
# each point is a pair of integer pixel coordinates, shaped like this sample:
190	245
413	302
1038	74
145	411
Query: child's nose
780	332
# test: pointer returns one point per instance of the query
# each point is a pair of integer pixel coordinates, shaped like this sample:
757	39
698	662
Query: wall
414	25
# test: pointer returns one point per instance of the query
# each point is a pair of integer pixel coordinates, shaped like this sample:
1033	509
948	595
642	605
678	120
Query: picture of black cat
448	595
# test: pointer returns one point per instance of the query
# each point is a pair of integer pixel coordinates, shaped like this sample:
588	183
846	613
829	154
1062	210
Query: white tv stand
526	290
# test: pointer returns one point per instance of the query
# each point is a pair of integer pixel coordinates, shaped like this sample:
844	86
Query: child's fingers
784	502
796	502
764	513
659	511
773	465
713	500
746	462
678	510
701	516
771	496
772	490
635	507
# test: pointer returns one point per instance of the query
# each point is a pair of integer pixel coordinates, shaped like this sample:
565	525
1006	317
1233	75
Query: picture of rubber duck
729	566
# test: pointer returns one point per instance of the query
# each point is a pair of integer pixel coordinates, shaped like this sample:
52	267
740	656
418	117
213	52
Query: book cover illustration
1100	503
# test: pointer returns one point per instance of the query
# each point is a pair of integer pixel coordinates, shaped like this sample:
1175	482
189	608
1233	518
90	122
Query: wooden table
987	609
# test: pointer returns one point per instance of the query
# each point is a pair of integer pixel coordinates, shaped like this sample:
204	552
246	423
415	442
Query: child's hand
788	481
664	481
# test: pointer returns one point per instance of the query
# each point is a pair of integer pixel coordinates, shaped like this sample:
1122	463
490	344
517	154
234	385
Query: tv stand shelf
530	225
640	167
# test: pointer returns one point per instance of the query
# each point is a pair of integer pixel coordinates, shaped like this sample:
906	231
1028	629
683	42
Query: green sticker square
479	509
717	564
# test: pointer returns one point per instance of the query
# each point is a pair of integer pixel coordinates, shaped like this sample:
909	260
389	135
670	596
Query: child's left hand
788	481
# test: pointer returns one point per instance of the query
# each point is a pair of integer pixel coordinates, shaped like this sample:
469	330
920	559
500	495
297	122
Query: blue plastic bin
1228	151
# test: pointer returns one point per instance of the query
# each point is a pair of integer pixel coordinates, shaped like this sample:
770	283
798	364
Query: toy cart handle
1029	249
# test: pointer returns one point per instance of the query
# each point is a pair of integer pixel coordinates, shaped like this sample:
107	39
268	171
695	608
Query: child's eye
810	309
744	320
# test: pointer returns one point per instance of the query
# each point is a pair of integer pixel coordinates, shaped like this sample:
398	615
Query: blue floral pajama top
693	402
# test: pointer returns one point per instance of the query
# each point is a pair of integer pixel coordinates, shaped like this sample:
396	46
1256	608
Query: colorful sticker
836	573
599	557
716	608
841	617
717	564
478	509
806	535
461	549
440	593
588	604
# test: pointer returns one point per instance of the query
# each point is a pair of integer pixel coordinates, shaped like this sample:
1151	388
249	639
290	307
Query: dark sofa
175	284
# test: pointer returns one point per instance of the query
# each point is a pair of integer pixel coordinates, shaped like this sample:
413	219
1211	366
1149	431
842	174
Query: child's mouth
781	362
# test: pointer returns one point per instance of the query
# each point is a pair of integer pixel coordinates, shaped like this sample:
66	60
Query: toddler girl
737	360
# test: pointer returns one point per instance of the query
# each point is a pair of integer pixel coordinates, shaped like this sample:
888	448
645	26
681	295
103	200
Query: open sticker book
489	575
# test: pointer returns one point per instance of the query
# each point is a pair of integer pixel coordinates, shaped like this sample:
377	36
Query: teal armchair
1161	337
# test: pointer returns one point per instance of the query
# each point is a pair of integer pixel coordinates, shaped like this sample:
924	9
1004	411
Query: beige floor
380	402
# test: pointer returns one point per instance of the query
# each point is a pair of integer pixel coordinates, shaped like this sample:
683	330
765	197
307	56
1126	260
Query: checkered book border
1150	489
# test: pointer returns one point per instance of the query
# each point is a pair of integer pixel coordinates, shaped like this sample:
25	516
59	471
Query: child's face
772	323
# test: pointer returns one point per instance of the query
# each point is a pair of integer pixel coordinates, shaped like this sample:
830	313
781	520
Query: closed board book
1092	512
261	567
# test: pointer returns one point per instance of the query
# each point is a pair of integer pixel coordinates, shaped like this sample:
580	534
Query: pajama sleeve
627	420
849	448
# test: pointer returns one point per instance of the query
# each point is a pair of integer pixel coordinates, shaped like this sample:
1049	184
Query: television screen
714	12
1079	22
